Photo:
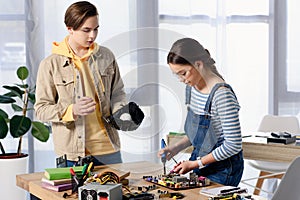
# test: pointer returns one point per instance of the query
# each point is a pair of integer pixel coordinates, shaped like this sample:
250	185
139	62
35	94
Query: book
57	188
56	182
61	173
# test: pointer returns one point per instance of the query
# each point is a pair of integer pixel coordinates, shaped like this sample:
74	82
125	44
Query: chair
273	123
289	187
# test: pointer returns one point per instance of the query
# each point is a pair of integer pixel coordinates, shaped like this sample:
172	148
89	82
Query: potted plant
21	97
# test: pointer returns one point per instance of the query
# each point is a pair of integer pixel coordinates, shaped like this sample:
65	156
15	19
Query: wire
105	177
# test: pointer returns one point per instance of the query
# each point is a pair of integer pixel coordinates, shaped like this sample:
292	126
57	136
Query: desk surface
32	182
257	148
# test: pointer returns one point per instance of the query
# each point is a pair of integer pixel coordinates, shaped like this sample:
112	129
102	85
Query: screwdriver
172	157
163	156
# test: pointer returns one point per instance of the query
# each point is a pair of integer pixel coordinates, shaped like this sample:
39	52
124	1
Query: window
12	31
237	35
12	51
287	66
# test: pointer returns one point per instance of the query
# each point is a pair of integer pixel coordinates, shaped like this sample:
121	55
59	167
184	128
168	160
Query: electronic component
139	192
178	179
138	196
281	137
281	134
173	195
239	194
61	161
88	195
85	160
95	191
176	182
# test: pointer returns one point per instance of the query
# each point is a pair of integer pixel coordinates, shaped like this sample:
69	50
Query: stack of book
59	179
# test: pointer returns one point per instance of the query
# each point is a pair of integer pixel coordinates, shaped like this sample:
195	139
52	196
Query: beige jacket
58	83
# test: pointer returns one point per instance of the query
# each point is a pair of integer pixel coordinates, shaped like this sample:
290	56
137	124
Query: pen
221	197
261	136
245	136
84	170
88	169
275	135
238	191
226	197
229	190
74	175
287	135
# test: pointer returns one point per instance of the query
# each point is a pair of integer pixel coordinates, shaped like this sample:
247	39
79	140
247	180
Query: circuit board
178	182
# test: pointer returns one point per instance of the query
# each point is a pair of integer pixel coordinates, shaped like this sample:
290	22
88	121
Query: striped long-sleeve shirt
225	120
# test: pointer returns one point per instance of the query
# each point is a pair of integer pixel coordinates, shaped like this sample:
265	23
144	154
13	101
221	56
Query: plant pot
12	164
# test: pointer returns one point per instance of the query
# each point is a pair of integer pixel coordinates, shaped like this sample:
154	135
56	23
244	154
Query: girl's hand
185	166
168	151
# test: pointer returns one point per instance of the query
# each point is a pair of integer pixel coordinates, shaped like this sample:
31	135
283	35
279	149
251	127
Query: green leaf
31	97
10	94
16	108
19	125
22	72
40	131
16	91
23	85
3	128
5	99
3	114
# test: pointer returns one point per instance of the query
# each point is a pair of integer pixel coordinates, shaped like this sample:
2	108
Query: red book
57	188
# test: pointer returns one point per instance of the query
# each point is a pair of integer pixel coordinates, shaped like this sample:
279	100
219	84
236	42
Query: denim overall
204	141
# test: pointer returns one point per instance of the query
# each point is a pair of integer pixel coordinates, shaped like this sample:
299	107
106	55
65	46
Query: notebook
57	188
61	173
56	182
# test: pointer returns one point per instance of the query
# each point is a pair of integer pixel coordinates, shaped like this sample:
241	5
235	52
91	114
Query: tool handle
163	145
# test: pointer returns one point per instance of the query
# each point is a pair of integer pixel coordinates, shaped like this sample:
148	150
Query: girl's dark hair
78	12
187	51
